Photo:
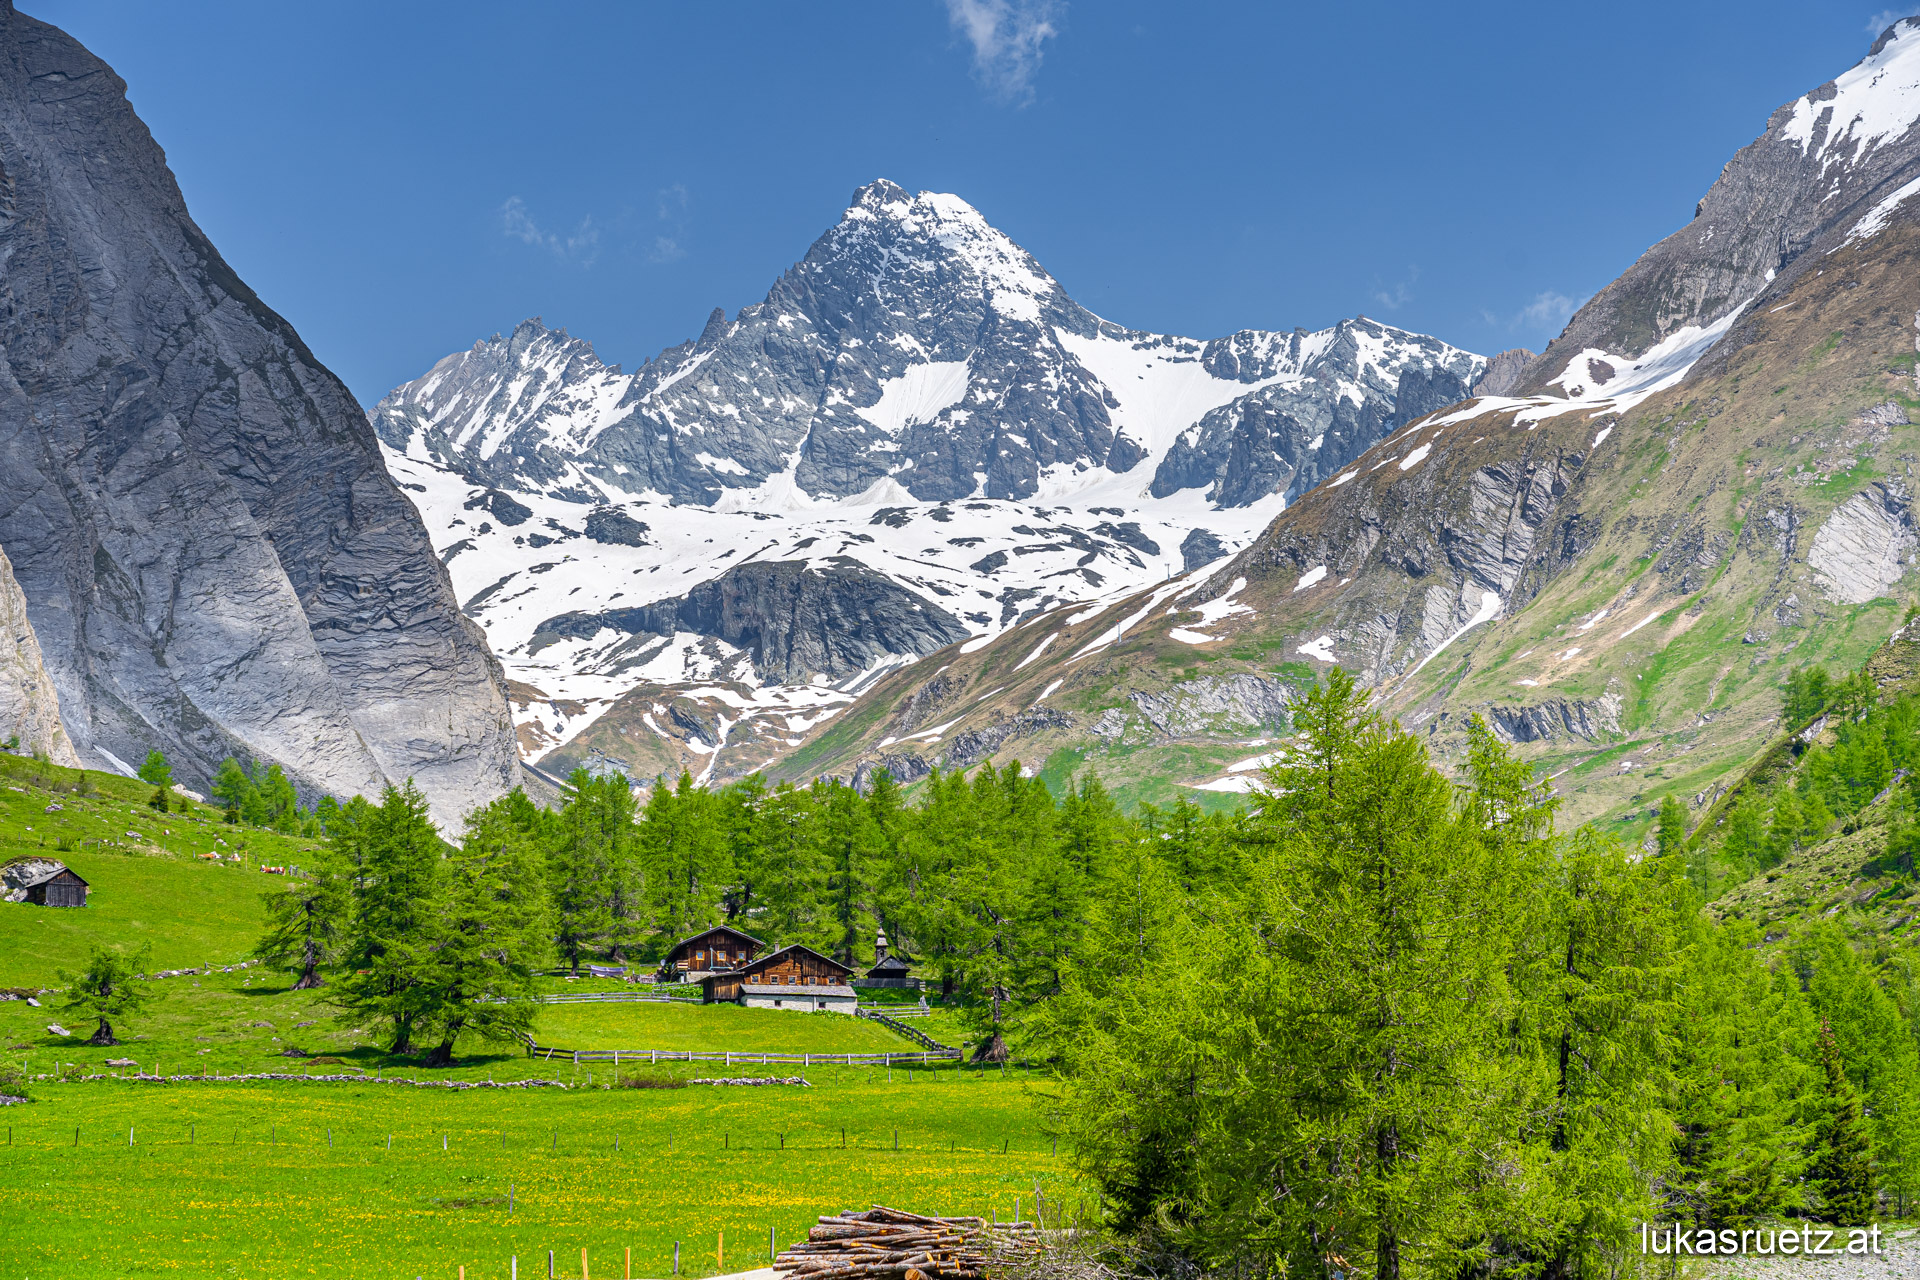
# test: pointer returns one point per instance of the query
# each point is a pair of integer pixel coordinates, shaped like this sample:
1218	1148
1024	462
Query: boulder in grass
55	1029
121	1062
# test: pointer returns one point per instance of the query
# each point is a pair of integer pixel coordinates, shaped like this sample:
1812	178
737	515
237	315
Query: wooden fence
610	997
737	1058
914	1034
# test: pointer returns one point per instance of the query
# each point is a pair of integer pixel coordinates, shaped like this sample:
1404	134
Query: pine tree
308	921
1842	1168
684	851
395	856
1672	827
783	863
849	851
158	774
581	870
112	986
487	931
233	789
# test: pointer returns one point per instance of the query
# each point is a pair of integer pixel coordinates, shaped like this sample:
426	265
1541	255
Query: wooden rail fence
738	1057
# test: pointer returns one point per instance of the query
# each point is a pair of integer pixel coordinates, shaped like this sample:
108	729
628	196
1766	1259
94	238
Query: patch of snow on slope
1254	762
1037	651
1636	626
1417	457
1874	103
1321	648
1488	611
1310	577
1877	217
1049	690
1240	785
1601	437
921	394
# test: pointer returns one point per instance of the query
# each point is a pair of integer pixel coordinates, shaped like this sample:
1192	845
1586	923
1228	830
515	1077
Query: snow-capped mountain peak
916	436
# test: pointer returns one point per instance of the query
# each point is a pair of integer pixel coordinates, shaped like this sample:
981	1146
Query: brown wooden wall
794	966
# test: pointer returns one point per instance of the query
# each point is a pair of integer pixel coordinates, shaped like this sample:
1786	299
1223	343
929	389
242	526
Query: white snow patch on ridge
1877	217
1308	578
921	394
1874	102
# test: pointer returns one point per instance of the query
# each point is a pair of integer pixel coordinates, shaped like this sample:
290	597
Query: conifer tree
1672	827
1842	1168
233	789
308	921
158	774
849	849
581	871
395	855
485	932
112	986
785	868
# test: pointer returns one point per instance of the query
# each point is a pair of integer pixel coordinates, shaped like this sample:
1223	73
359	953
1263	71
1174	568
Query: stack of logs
893	1243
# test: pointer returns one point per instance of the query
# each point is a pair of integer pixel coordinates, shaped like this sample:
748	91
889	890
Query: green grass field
239	1180
711	1027
147	881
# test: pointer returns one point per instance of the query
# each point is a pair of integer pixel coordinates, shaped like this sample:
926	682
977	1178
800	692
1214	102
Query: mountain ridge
915	399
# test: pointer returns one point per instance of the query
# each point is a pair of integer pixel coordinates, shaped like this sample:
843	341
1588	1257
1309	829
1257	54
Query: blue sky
400	180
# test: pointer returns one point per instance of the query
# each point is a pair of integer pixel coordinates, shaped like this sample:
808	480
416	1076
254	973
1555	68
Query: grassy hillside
271	1181
148	882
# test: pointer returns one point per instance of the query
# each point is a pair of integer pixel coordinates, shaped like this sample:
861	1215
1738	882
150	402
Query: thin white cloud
582	246
1885	18
1008	39
672	203
1400	294
1549	309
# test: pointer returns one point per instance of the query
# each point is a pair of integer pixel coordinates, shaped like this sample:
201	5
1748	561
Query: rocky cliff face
1833	163
211	552
29	707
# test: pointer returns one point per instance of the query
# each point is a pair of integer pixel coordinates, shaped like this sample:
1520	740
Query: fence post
583	1263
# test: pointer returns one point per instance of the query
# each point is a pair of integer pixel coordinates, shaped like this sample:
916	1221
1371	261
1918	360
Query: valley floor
272	1180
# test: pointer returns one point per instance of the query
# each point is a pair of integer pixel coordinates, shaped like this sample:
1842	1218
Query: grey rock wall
212	554
29	707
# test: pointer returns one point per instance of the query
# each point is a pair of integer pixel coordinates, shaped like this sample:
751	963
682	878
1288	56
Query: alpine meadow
907	776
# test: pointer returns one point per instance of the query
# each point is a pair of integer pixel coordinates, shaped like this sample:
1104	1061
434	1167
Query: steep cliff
212	554
29	707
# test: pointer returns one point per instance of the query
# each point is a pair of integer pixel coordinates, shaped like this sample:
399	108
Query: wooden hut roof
719	929
773	957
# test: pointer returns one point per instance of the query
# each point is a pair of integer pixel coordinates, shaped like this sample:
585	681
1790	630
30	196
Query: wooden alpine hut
717	950
794	977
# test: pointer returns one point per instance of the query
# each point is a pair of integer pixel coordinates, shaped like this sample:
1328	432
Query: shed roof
773	956
719	929
892	964
22	872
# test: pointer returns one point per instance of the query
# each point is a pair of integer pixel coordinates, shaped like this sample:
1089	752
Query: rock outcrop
29	707
212	554
796	620
1862	548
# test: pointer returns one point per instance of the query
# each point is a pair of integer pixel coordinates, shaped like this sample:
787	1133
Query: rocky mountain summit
1705	482
210	552
916	438
918	349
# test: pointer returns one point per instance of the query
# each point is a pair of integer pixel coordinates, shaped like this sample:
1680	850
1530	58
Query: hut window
699	955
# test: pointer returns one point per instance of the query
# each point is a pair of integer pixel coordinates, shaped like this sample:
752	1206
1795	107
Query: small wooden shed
794	977
43	882
720	949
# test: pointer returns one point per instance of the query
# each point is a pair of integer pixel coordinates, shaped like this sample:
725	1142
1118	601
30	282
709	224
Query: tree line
1379	1019
1415	1029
